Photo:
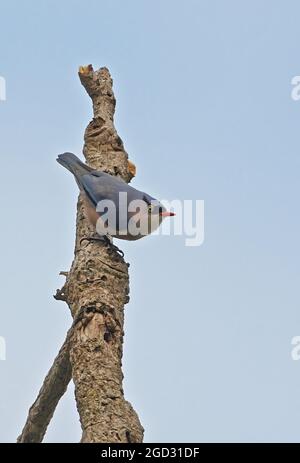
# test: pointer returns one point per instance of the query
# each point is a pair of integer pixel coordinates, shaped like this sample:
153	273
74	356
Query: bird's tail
74	165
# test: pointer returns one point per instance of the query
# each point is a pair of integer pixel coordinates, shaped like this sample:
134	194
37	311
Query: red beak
167	214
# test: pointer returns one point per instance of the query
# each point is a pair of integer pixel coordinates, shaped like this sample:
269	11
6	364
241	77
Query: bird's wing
100	186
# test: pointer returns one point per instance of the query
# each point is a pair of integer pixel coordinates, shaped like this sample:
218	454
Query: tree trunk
97	288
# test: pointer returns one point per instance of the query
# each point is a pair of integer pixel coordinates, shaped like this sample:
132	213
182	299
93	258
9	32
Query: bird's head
153	213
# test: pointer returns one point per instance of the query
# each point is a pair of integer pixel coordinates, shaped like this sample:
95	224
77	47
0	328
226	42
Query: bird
114	208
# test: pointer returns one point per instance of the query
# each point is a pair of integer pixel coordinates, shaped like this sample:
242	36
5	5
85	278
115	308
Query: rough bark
97	288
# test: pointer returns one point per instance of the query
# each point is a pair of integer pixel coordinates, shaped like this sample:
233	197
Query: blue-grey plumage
137	213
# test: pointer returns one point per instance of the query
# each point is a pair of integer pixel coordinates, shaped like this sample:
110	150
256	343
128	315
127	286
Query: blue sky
205	111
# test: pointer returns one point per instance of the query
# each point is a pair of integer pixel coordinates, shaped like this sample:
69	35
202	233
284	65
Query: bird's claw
105	240
92	238
118	250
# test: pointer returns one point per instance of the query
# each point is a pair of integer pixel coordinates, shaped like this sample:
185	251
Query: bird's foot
105	239
94	238
115	248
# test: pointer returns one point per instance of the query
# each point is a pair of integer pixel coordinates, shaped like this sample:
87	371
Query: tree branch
96	290
53	388
99	281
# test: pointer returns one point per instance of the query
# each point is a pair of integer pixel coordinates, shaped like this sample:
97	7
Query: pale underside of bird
114	208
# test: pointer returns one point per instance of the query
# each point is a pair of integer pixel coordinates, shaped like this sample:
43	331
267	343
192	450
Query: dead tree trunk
96	290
